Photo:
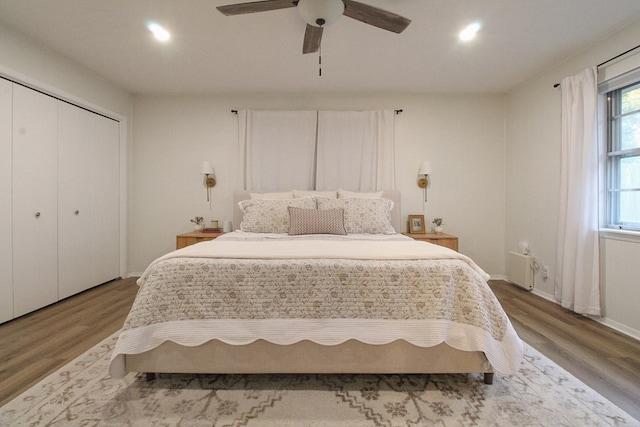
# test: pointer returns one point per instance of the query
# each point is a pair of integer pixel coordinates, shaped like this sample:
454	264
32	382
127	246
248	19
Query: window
623	158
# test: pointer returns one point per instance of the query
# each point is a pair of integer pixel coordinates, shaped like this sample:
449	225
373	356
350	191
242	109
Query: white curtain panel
310	150
277	149
577	284
356	150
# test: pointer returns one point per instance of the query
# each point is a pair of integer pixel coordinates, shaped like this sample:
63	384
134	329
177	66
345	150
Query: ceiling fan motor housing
320	13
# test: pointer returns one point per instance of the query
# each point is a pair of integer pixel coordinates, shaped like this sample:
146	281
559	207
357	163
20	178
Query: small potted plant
438	222
199	223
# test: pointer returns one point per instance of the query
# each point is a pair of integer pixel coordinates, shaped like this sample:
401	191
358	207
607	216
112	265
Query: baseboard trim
617	326
623	329
544	295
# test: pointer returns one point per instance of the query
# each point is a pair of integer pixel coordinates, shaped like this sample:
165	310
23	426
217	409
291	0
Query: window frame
614	157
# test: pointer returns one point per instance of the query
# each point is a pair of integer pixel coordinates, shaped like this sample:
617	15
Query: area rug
82	394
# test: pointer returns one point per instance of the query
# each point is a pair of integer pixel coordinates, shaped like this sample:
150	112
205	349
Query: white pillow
343	194
272	196
362	215
312	193
270	216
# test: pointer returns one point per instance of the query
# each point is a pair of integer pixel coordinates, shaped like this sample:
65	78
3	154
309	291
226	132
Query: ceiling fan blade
312	39
375	16
256	6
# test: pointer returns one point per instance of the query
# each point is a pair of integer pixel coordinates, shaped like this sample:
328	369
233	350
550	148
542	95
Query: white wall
533	176
462	136
22	59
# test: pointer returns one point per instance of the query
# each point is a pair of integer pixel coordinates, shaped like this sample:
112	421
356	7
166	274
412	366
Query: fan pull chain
320	62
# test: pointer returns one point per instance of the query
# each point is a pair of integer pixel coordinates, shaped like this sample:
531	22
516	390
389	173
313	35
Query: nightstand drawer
442	239
187	239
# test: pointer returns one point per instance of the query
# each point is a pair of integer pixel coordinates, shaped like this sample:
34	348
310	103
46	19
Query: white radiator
520	270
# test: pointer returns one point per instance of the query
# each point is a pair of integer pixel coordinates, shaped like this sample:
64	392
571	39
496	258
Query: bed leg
488	377
150	376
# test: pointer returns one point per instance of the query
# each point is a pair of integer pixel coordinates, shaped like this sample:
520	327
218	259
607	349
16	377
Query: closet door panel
6	257
75	163
35	220
105	199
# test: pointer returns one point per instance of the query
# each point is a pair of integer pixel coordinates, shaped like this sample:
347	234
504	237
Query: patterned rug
82	394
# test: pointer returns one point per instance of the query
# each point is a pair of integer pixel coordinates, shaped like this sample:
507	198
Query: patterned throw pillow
315	221
270	216
363	215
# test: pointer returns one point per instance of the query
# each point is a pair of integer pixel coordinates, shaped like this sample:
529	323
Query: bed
282	297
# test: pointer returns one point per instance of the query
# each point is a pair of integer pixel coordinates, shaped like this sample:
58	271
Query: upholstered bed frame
351	356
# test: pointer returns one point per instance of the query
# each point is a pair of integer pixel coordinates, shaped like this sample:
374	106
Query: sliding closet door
74	199
105	199
35	219
6	277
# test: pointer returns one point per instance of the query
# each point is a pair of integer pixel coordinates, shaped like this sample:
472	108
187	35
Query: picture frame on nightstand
416	224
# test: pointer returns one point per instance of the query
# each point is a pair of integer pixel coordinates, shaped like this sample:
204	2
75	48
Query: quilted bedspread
390	290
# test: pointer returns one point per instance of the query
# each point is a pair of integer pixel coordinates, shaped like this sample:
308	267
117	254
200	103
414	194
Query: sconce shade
207	168
425	168
320	13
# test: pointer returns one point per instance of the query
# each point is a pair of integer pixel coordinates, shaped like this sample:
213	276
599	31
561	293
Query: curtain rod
611	59
618	56
395	111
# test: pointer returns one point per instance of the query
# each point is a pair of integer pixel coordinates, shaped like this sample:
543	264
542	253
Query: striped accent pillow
314	221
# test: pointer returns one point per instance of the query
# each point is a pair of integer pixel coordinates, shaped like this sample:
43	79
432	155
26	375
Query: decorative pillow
362	215
315	221
311	193
343	194
272	196
270	216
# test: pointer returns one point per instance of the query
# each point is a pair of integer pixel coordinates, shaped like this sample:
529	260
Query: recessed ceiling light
158	32
469	32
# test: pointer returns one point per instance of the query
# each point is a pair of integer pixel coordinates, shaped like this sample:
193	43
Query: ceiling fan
320	13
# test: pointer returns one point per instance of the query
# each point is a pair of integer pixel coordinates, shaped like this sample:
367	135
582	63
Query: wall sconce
209	180
424	171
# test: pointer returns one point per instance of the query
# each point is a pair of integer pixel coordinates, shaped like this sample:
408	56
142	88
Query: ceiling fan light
158	32
470	32
320	13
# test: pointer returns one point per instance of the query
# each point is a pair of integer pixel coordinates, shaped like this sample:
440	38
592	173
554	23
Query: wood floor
602	358
35	345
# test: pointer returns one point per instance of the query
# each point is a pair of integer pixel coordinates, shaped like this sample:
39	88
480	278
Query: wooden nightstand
442	239
186	239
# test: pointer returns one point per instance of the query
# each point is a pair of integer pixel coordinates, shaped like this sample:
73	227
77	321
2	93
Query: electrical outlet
545	272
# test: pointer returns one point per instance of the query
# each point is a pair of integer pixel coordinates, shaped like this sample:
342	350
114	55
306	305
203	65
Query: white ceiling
212	53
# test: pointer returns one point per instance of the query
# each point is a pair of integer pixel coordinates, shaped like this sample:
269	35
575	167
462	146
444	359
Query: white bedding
282	246
326	289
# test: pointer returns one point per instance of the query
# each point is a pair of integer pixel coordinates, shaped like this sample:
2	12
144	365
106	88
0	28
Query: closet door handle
77	212
37	214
